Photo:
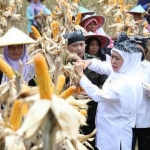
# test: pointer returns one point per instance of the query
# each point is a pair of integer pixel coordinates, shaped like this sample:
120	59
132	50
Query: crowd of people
120	106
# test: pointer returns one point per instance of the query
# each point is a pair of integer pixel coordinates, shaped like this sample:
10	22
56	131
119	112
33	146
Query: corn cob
127	7
78	19
68	92
57	9
69	15
40	13
16	115
55	28
121	2
76	1
36	32
118	19
25	108
6	69
79	89
43	77
83	112
66	4
60	84
121	8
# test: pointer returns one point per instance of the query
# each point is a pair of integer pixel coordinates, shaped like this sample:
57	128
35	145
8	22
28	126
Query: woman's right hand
85	62
37	16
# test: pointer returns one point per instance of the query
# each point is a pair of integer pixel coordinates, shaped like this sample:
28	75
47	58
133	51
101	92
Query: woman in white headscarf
120	96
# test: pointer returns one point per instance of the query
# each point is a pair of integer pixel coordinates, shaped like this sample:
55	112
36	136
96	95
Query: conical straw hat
14	37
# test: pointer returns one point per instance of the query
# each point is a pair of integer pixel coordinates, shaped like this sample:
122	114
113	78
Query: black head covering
74	36
124	43
143	41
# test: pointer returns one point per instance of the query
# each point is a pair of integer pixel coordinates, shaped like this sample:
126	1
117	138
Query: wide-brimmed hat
83	10
138	10
14	37
104	40
100	19
30	0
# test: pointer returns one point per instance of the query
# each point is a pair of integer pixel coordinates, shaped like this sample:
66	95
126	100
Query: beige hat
15	36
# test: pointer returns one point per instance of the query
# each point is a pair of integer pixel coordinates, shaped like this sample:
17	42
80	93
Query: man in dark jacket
76	44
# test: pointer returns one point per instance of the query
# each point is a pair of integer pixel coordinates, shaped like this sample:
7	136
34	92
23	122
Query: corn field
50	114
89	4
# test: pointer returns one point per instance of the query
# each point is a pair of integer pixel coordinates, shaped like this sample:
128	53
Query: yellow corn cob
25	108
54	13
36	32
76	1
55	28
6	69
16	115
115	1
57	8
43	77
78	19
129	31
69	15
79	89
68	92
127	7
66	4
40	13
121	2
60	84
83	112
121	8
118	19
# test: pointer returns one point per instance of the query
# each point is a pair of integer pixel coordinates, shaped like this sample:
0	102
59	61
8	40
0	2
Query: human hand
79	66
85	63
44	16
37	16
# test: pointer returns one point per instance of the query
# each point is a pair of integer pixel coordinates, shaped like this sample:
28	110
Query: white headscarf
126	82
130	66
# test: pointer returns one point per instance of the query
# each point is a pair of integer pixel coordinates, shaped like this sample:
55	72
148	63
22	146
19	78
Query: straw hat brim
100	20
105	41
30	0
15	37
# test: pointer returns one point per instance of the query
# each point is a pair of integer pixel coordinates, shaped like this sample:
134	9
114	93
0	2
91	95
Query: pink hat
89	18
104	40
88	22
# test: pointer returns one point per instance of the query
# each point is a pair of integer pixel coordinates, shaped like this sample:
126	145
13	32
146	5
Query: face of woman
15	51
36	1
92	26
94	47
116	61
137	17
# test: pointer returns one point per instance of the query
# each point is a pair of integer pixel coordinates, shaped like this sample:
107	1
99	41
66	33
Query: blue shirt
30	17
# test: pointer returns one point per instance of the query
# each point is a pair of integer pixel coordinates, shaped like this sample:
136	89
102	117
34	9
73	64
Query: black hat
124	43
74	36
